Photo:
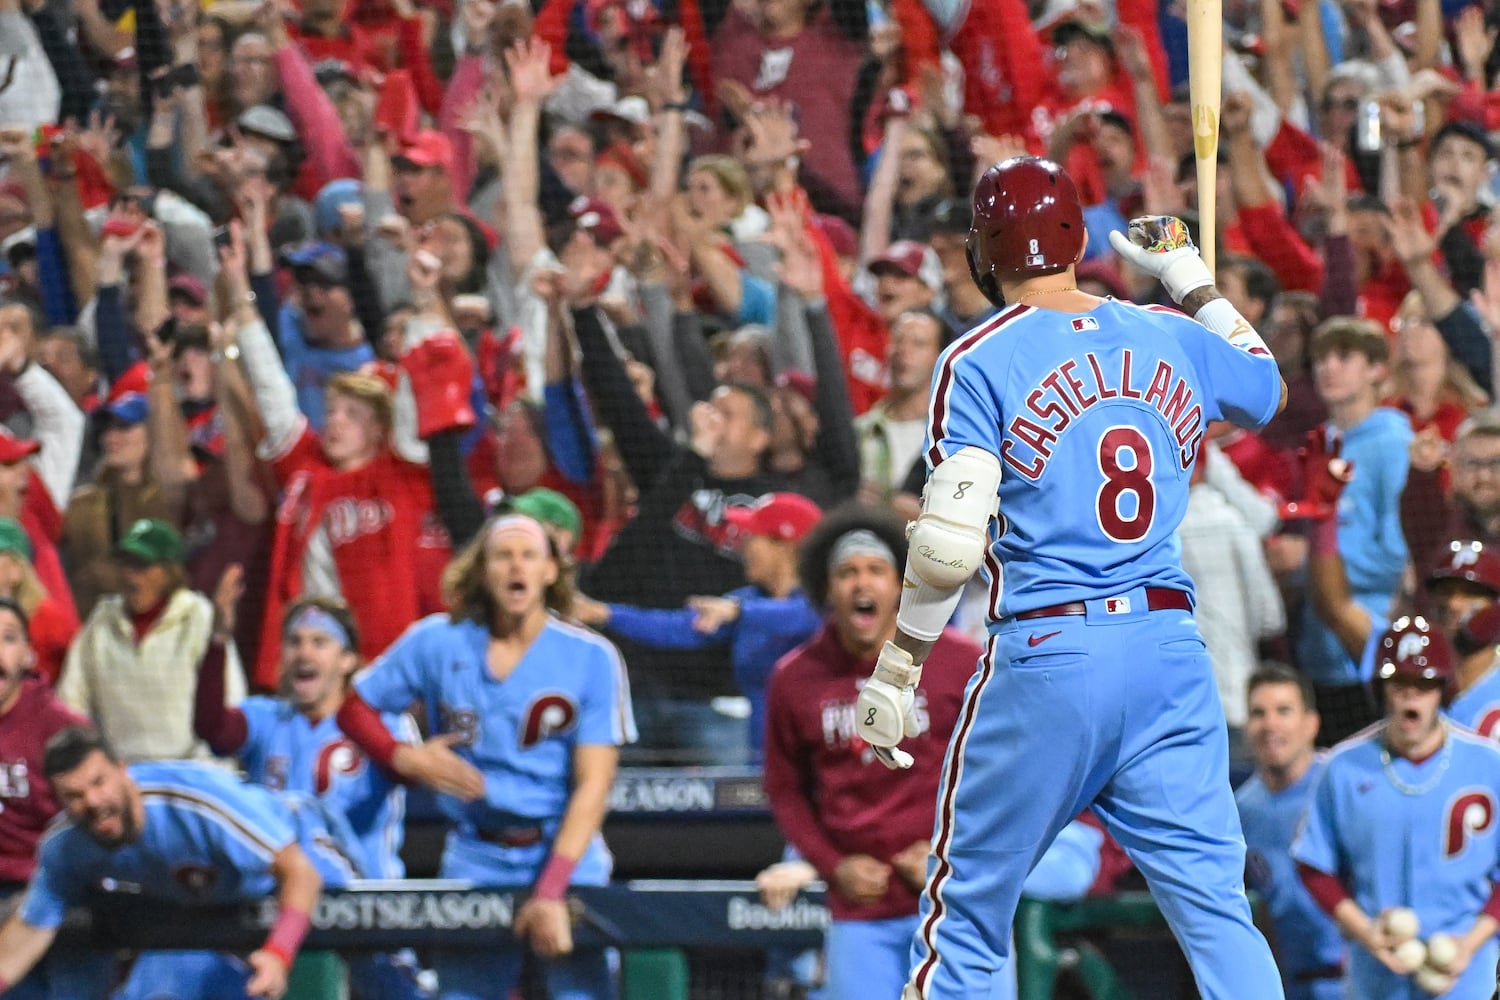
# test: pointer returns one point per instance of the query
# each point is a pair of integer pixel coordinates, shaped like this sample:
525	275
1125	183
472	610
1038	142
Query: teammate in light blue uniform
531	712
1405	815
293	743
1084	417
1280	730
1478	705
185	832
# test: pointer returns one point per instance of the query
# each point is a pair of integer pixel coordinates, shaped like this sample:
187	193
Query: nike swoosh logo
1037	640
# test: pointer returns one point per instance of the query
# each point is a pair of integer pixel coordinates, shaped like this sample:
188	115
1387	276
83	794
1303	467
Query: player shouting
531	712
1404	815
292	742
1083	417
186	832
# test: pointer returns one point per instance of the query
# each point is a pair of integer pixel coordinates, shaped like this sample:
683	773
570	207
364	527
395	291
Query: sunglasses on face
1350	104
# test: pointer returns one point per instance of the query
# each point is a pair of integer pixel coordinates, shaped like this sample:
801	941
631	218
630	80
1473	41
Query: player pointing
1082	416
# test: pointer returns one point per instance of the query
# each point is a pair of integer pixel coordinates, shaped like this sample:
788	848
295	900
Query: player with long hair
529	713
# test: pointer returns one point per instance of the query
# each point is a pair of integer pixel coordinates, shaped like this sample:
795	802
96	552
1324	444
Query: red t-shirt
388	545
830	796
25	795
43	523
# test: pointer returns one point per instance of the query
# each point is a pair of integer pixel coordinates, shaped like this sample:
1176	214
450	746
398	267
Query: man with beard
867	832
292	743
1470	508
1405	816
30	714
185	833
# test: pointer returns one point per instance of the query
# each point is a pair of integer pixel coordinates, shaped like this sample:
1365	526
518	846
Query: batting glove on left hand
1160	246
886	710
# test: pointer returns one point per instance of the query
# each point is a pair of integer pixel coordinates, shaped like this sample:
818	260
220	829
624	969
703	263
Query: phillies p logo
1471	812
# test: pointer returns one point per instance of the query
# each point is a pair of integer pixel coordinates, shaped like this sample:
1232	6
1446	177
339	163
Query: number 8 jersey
1106	410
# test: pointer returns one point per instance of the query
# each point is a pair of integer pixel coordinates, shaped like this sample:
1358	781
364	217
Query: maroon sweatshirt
830	796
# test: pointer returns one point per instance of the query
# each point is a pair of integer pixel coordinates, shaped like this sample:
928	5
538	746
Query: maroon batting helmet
1413	650
1467	560
1027	221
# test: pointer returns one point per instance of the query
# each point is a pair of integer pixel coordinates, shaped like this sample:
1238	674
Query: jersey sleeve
1316	840
963	412
57	884
604	714
398	677
1245	387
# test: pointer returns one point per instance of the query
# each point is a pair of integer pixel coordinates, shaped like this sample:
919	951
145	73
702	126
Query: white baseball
1410	955
1442	952
1400	924
1431	981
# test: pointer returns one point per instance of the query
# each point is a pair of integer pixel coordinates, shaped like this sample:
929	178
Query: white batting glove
1160	246
885	712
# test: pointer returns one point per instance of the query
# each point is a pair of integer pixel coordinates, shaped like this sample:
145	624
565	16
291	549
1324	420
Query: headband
527	526
860	542
316	618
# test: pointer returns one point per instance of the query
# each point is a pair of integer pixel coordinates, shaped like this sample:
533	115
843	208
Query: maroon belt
1157	599
512	836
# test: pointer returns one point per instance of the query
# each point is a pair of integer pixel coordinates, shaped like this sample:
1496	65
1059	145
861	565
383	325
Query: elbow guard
952	532
948	540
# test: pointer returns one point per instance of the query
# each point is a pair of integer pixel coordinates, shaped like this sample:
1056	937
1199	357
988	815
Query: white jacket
141	696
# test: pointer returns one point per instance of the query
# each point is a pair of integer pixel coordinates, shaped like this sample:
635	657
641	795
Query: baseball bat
1205	25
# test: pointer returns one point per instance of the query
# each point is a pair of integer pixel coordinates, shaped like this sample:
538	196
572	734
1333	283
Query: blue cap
324	260
131	408
334	194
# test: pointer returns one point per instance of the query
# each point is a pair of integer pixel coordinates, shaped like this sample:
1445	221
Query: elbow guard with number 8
948	541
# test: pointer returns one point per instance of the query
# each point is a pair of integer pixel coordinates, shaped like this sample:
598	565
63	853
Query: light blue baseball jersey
207	838
1111	414
1306	937
569	690
284	750
1478	707
1399	833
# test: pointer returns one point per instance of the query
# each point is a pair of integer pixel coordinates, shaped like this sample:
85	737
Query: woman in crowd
52	626
529	714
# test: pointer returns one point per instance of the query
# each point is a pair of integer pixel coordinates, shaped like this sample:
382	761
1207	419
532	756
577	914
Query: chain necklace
1445	758
1046	291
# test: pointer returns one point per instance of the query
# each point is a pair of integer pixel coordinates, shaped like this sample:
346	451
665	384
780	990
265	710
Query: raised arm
532	82
170	457
58	422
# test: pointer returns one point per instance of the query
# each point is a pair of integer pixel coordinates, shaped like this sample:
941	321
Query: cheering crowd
585	323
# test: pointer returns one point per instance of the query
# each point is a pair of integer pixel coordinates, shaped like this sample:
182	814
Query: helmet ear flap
983	274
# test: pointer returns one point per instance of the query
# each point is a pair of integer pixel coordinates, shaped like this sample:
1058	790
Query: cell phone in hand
223	238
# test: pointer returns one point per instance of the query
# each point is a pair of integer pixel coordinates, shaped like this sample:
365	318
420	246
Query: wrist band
287	934
555	877
1223	318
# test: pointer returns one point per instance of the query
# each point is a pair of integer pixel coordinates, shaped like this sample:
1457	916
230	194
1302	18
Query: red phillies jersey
388	546
26	802
43	523
830	796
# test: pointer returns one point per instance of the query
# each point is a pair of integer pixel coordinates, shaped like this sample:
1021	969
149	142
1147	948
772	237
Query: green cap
549	507
151	541
13	538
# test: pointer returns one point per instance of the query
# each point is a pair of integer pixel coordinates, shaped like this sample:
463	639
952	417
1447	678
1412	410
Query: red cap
903	257
428	148
841	235
597	217
785	517
13	449
190	286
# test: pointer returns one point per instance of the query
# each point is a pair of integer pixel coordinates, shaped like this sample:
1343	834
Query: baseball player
1404	815
866	835
293	743
1280	728
1083	417
530	713
186	832
29	715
